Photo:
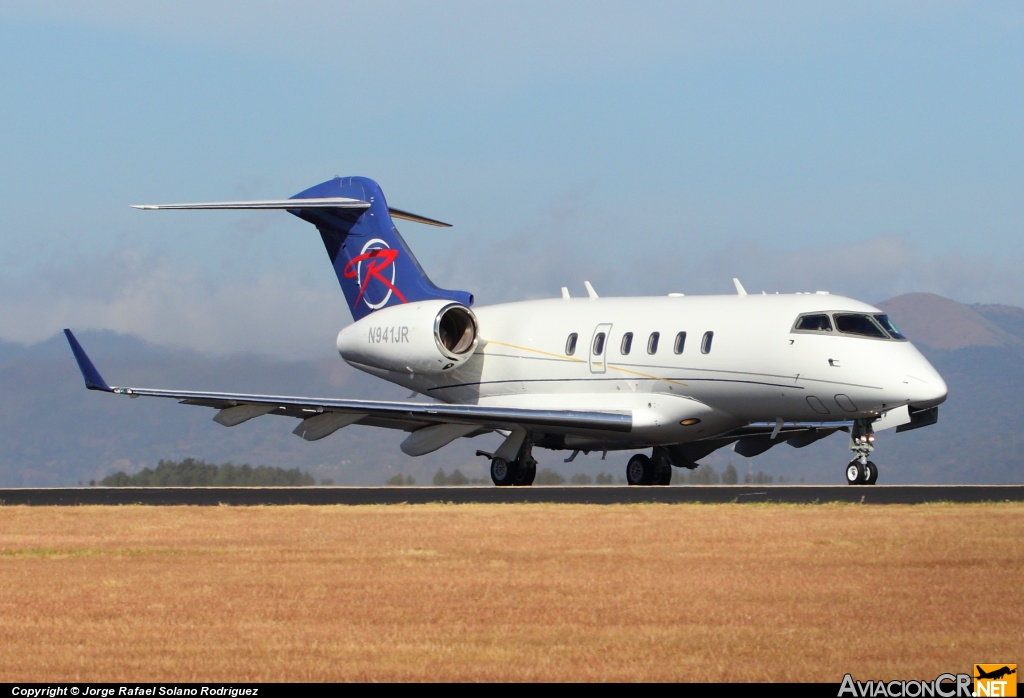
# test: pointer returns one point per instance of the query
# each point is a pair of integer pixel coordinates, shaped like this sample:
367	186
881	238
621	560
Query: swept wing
323	416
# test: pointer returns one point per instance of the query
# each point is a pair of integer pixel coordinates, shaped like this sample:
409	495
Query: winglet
93	379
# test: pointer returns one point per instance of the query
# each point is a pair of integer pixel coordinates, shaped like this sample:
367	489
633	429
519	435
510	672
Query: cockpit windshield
890	327
815	323
857	324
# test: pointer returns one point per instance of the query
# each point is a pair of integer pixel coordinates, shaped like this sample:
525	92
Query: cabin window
862	325
890	327
680	342
627	343
705	344
814	323
652	343
598	344
570	344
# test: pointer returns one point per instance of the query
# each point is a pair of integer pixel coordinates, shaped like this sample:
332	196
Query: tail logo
375	261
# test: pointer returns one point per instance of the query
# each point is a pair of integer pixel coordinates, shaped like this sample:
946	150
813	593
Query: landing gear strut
519	471
861	471
656	470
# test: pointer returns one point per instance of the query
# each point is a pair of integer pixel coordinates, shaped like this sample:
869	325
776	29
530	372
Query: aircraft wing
433	424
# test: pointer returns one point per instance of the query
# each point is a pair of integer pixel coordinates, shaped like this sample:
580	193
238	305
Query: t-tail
374	266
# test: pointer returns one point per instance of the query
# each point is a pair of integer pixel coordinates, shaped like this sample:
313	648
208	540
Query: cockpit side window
863	325
890	327
819	322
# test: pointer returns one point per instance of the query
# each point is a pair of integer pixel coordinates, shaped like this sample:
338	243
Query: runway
258	496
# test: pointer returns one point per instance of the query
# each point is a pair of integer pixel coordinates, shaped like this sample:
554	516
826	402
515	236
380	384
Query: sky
868	149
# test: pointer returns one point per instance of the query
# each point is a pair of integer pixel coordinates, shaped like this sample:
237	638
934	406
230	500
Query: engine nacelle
421	337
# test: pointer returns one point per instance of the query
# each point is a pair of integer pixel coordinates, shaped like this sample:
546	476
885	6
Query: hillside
942	324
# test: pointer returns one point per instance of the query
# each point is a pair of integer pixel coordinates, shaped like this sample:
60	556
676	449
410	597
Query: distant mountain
1008	317
54	432
940	323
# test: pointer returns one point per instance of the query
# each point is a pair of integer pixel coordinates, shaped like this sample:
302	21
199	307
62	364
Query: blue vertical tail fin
375	267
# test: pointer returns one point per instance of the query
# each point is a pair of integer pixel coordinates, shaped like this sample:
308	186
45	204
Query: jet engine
422	337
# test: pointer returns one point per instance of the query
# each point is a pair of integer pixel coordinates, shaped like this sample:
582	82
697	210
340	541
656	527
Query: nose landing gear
861	471
857	474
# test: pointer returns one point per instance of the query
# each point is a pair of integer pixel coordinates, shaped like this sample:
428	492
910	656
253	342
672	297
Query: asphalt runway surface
608	494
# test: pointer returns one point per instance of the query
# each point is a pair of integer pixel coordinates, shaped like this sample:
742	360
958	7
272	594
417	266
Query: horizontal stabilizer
328	203
268	204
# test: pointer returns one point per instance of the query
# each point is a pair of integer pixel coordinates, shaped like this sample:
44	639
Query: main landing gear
654	470
520	471
861	471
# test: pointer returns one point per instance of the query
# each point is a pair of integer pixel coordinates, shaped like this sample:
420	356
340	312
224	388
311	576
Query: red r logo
376	261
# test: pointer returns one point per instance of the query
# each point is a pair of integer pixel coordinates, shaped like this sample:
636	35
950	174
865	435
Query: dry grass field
508	592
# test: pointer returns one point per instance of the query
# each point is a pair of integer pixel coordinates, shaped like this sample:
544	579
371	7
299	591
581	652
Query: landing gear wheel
663	474
640	470
503	473
662	467
861	471
525	474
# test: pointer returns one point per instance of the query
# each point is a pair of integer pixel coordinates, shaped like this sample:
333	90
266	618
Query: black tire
525	475
854	473
663	474
640	470
662	467
870	473
503	472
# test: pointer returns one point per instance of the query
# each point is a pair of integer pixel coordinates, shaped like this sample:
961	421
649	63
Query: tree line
198	473
704	475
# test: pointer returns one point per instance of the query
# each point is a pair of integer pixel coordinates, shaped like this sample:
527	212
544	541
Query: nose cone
925	387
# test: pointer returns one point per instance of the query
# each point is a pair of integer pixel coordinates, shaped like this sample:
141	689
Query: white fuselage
754	367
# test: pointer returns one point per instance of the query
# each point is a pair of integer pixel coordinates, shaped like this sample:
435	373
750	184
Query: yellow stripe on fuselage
573	359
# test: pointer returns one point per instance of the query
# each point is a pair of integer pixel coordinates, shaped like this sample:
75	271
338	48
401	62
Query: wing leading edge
323	416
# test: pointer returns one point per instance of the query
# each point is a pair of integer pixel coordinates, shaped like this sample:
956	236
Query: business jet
670	378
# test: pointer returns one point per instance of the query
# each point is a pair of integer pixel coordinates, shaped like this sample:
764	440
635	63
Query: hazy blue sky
868	149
